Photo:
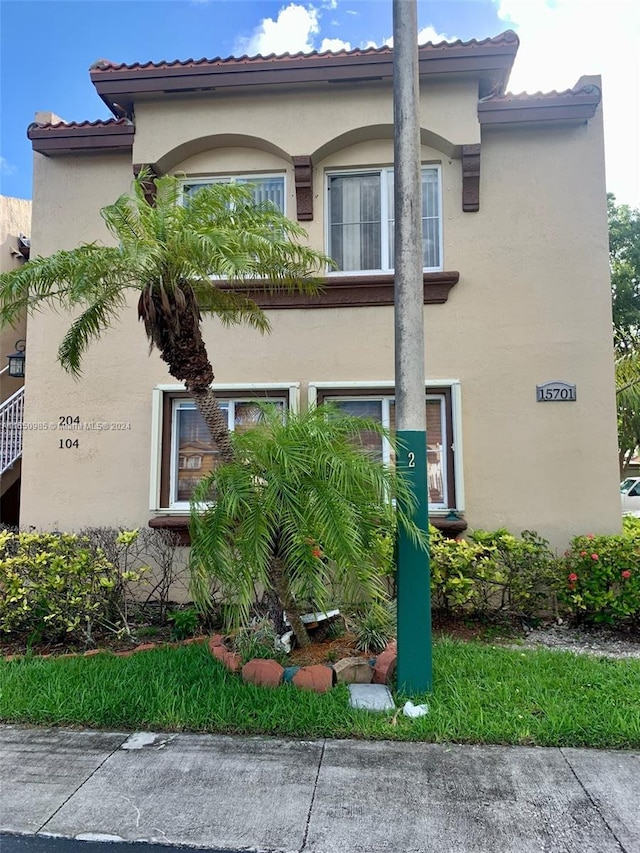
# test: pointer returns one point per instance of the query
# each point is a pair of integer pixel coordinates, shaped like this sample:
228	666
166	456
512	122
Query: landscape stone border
266	672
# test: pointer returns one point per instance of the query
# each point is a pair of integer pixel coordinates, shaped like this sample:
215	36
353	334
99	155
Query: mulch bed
323	650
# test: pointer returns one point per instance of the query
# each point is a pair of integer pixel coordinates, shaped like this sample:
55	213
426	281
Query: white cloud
6	168
431	34
335	45
424	35
291	32
562	40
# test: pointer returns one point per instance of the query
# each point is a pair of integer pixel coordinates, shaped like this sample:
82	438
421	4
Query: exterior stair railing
11	420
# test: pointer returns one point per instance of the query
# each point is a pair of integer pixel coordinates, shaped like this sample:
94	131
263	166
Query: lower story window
188	451
380	406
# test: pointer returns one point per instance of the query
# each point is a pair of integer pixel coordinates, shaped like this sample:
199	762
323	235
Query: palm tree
298	509
176	257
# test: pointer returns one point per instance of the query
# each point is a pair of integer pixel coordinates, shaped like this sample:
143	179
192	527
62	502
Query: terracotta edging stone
227	658
317	678
264	673
215	641
385	665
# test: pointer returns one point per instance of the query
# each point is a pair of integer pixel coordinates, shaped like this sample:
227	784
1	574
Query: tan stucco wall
276	121
15	219
532	305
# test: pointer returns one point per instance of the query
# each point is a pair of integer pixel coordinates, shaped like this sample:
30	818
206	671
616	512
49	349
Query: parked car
630	494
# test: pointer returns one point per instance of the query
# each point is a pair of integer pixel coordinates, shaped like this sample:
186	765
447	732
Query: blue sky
47	47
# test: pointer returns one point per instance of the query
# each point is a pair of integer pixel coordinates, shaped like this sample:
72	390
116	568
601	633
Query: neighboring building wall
15	219
532	305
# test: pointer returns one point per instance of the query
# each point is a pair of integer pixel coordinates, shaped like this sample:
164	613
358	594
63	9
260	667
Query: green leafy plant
54	585
296	512
491	573
375	627
599	579
184	623
458	568
258	641
523	571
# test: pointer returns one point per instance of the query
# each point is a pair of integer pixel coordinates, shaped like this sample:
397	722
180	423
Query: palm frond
298	483
64	280
89	326
230	307
168	250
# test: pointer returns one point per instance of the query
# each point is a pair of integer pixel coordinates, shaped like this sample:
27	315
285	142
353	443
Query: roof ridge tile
589	89
77	124
106	66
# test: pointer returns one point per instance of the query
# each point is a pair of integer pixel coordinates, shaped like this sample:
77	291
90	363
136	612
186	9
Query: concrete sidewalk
317	796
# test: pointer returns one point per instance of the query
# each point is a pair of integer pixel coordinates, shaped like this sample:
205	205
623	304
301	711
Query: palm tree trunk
215	419
172	323
276	575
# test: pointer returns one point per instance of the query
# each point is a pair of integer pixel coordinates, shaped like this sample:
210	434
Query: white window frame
456	424
242	391
245	178
384	218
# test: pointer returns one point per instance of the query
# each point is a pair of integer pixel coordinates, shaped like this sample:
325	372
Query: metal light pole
414	595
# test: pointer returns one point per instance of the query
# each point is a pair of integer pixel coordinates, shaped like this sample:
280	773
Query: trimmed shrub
599	581
523	572
59	584
458	570
492	572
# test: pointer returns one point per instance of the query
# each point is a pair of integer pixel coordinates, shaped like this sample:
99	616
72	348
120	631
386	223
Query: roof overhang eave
119	88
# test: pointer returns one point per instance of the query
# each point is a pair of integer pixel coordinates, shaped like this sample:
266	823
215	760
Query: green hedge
492	572
596	581
600	577
59	584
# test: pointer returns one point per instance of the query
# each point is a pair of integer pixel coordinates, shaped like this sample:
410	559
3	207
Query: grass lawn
482	694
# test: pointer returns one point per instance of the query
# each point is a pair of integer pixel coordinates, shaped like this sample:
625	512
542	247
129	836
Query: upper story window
361	220
263	187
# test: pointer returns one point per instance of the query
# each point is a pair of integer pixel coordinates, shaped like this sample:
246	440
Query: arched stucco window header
302	163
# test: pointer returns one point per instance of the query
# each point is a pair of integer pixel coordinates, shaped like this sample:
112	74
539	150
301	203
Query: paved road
325	796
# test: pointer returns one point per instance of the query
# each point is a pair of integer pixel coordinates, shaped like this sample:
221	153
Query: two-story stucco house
516	283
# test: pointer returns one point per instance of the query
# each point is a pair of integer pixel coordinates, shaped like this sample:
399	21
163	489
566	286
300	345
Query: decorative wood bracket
303	174
149	186
471	178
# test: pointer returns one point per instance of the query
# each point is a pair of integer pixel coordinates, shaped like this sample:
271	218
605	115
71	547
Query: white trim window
263	187
182	449
361	223
376	401
189	433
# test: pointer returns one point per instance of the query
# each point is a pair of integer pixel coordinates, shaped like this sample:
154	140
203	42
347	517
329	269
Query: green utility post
414	595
